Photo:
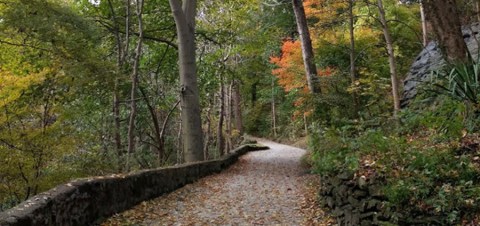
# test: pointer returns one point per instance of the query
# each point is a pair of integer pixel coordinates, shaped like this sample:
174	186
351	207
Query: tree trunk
477	6
134	79
307	49
444	18
391	59
237	108
274	112
116	95
221	116
253	93
154	114
353	74
184	16
208	132
424	25
229	114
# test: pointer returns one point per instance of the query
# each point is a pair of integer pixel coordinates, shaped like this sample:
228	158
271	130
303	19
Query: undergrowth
430	161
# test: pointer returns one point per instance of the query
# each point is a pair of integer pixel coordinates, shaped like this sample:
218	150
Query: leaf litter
263	188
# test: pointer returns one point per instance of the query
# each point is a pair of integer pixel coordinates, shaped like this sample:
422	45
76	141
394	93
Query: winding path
262	188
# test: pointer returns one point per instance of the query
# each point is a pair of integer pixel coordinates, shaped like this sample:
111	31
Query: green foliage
461	82
425	169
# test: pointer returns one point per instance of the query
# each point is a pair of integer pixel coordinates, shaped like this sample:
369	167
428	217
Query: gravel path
262	188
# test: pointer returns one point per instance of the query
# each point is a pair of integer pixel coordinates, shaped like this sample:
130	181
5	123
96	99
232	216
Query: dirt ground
262	188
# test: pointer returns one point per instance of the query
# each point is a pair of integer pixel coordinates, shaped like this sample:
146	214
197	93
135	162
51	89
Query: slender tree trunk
444	18
237	108
221	116
127	30
307	49
391	59
154	114
208	132
424	25
353	74
229	123
162	133
116	94
274	112
134	79
305	123
184	16
253	97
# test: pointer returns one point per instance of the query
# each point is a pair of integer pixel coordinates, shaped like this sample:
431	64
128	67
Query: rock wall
355	201
84	201
431	59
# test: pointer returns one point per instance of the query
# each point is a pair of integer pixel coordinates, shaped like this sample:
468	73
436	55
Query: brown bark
307	49
184	16
134	79
444	18
221	117
391	59
116	94
353	73
237	107
229	104
208	132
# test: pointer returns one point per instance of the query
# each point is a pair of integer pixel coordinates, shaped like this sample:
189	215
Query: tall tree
307	49
134	79
353	73
444	18
391	58
184	16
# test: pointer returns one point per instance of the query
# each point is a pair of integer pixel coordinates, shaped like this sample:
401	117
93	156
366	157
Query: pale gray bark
391	58
307	49
184	16
424	25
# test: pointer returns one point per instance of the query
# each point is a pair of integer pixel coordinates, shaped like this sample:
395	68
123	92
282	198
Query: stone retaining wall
355	201
360	201
84	201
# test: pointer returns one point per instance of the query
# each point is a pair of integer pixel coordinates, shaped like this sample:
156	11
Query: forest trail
263	188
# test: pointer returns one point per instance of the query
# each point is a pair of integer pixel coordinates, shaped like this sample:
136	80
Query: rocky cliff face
431	59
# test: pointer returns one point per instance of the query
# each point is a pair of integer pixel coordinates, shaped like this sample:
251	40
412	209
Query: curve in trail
263	188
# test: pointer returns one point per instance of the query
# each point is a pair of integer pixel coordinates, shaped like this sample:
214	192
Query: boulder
430	59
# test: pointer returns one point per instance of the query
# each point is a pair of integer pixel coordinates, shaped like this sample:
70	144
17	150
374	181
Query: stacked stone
355	200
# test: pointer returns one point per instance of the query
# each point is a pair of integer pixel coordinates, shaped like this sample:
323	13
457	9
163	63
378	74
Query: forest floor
263	188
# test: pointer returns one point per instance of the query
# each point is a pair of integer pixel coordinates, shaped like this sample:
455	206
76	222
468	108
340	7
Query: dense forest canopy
92	87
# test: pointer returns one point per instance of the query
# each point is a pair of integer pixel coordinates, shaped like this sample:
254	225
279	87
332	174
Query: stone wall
355	201
431	59
360	201
84	201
